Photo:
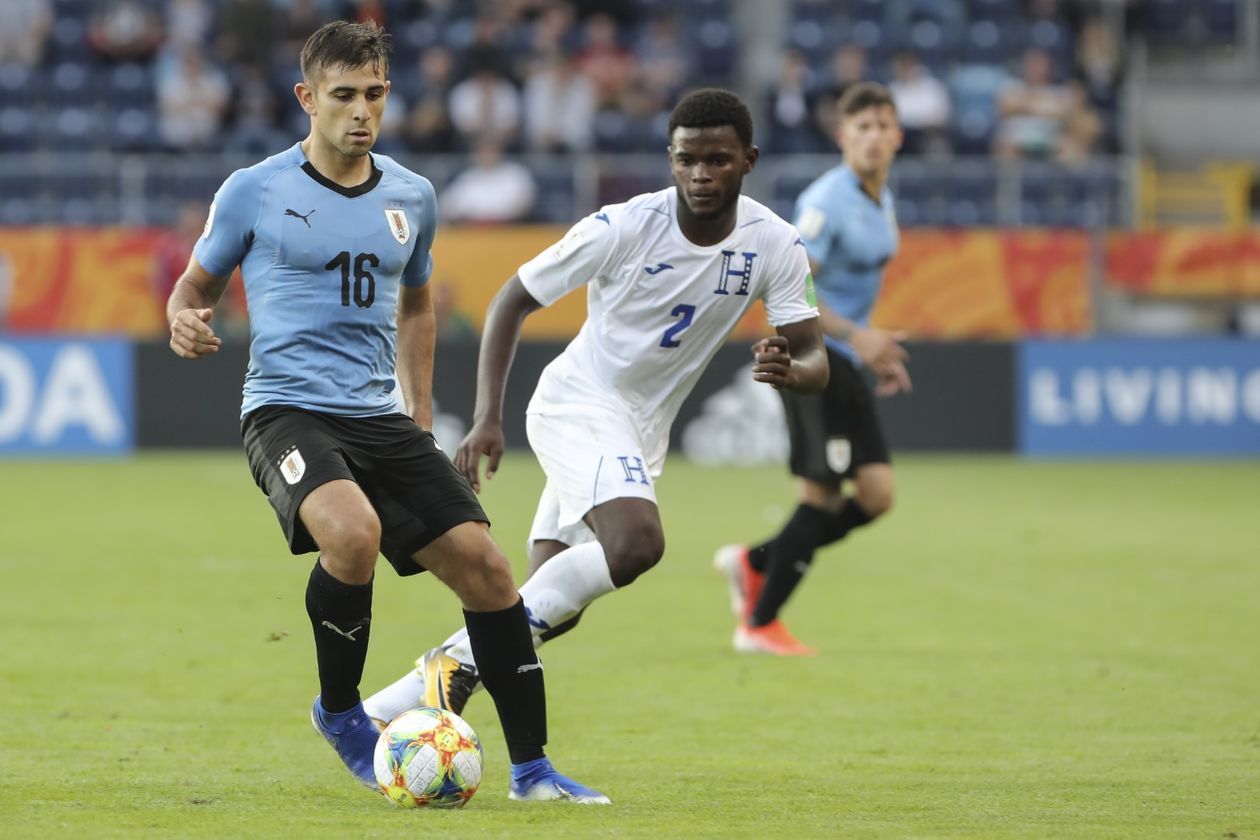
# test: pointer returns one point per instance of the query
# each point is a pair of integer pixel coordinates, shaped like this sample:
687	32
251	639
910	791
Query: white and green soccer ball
428	758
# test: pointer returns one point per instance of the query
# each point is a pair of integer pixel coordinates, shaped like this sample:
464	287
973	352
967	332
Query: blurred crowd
1015	77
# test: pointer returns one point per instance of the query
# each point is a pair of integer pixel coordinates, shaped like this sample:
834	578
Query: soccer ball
428	758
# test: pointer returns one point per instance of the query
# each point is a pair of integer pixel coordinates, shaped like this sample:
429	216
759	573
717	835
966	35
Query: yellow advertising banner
1185	262
942	284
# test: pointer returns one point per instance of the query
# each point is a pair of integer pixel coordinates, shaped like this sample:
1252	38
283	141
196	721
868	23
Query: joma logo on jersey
744	274
398	224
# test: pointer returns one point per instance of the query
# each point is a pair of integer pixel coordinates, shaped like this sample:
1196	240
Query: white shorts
590	455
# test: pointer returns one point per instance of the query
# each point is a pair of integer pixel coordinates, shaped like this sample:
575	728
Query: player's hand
774	362
878	348
191	336
891	378
483	439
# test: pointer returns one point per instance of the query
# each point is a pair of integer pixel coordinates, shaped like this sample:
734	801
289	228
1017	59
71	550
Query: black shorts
414	488
837	431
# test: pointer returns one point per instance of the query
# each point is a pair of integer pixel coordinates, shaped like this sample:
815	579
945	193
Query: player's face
346	107
870	139
709	165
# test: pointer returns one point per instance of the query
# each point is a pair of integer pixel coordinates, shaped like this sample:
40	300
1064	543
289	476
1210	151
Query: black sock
789	555
851	516
509	668
341	616
759	557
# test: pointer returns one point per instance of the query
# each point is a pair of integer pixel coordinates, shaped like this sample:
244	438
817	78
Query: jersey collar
349	192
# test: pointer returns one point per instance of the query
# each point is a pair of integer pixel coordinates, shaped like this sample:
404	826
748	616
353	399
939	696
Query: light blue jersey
850	237
322	264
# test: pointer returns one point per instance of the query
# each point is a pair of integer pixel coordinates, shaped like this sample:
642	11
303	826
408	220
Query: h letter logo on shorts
634	469
292	466
745	273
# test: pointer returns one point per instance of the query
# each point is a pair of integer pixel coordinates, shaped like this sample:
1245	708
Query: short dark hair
858	97
709	107
342	45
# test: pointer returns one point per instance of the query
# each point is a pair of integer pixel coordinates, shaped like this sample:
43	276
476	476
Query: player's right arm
569	264
190	308
498	347
878	349
228	234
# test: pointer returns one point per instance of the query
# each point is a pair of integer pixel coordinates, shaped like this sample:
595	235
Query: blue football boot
537	780
353	735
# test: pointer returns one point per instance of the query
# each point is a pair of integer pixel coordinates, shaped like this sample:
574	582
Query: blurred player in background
670	274
850	231
334	246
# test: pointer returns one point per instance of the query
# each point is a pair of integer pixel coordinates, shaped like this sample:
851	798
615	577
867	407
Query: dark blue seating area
983	193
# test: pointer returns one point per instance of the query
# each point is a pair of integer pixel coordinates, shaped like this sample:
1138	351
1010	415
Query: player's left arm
417	332
417	323
794	359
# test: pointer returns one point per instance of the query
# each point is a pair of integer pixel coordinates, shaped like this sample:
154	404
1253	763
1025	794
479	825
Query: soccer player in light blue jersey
847	222
334	247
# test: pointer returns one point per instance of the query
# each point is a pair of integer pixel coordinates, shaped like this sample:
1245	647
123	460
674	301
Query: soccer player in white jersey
847	222
668	274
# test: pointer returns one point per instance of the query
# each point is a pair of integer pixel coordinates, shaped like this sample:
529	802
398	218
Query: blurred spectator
492	190
192	101
125	30
394	120
922	106
1098	68
428	128
486	106
1033	111
297	22
188	23
1082	129
453	324
792	129
603	60
24	29
246	32
254	112
848	65
559	107
662	58
552	28
361	11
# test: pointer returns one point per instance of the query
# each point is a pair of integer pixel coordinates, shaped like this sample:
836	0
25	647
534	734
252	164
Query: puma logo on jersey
305	219
603	217
658	268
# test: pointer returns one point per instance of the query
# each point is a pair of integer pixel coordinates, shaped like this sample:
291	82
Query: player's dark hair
858	97
710	107
342	45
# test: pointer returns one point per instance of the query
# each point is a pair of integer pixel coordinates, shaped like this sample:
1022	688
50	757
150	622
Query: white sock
402	695
558	591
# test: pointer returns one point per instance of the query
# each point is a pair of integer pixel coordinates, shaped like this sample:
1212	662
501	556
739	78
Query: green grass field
1021	650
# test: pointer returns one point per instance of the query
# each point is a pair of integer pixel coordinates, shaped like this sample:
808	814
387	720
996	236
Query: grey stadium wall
963	400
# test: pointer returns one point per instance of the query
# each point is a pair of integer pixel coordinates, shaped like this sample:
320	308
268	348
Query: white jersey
659	306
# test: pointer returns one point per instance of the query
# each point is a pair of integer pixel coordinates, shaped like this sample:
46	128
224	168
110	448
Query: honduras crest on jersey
398	226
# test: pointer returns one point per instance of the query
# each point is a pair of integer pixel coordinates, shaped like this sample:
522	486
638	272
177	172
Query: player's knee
484	580
876	502
350	545
632	553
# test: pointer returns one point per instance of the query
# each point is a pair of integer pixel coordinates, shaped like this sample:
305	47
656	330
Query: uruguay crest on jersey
398	226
